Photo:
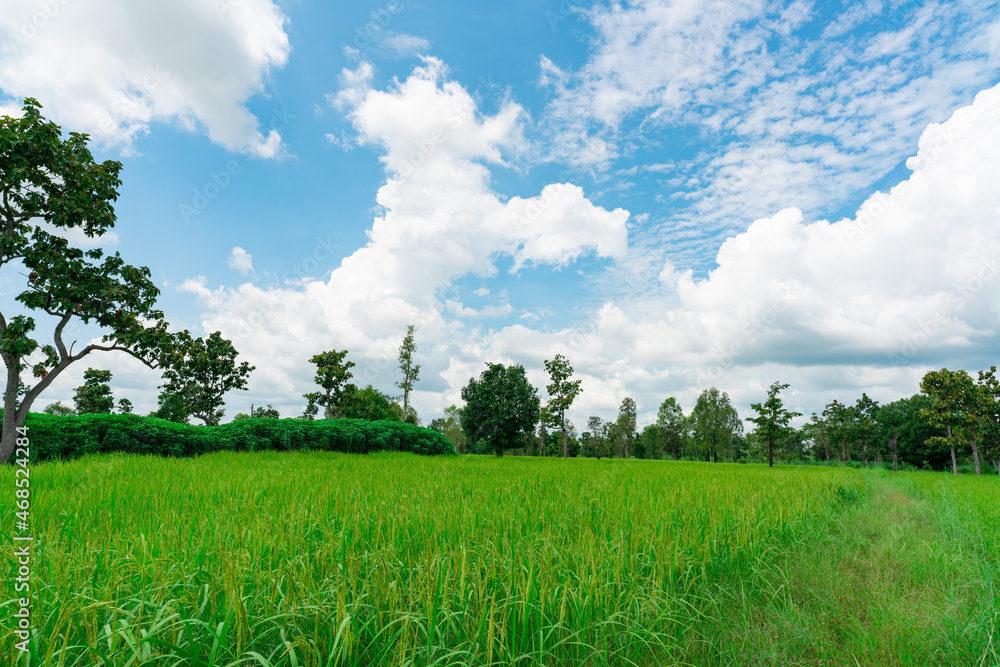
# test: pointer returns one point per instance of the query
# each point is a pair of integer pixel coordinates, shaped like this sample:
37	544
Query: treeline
197	378
954	421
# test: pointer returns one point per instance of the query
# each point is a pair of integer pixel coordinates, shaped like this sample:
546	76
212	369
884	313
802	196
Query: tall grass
314	558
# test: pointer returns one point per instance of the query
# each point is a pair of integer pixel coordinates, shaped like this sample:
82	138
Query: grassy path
905	575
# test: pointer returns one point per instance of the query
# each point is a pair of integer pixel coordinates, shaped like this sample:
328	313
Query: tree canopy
501	407
200	373
562	392
52	187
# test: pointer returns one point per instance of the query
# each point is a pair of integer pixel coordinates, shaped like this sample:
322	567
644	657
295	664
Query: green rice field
316	558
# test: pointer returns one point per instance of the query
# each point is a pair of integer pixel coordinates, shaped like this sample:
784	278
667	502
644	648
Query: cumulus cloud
801	121
241	260
113	67
439	220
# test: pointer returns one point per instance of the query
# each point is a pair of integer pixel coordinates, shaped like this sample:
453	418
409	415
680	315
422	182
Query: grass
313	558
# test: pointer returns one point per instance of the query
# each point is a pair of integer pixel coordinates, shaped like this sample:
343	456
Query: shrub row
70	436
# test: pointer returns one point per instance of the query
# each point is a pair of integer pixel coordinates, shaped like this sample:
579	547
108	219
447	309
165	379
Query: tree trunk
8	439
565	441
954	462
975	448
770	454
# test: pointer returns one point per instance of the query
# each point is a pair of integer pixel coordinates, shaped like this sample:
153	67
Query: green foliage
171	407
411	373
55	182
69	436
562	392
58	408
332	375
200	373
124	406
672	426
623	432
715	423
259	413
368	403
501	407
450	426
772	419
94	395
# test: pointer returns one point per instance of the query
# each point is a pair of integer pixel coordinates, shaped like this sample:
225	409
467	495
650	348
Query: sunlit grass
330	559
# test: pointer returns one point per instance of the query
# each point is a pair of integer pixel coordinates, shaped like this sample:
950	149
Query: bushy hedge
74	435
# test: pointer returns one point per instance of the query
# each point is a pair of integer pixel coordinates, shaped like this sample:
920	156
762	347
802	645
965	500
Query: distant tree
124	406
54	190
839	422
793	445
450	426
332	375
544	418
200	372
94	395
501	407
265	413
817	430
772	419
626	425
671	424
989	387
368	403
865	424
647	445
563	392
411	372
598	436
259	413
715	422
172	407
958	406
58	408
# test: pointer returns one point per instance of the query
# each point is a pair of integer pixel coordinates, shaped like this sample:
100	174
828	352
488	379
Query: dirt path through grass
898	577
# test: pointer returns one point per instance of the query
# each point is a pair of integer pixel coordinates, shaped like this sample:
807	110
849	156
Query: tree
410	370
332	374
124	406
450	426
865	424
990	397
53	188
671	423
368	403
626	424
818	431
958	405
58	408
715	422
563	392
94	395
838	418
200	372
259	413
501	407
772	419
647	445
171	407
598	436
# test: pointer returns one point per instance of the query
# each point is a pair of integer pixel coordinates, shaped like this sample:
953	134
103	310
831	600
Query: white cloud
241	260
440	220
112	67
801	121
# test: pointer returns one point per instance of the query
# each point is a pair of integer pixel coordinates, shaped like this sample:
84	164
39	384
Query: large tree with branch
51	187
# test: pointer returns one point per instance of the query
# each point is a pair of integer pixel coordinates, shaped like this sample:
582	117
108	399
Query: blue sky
673	194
